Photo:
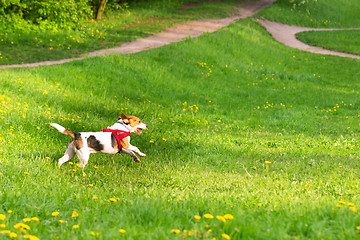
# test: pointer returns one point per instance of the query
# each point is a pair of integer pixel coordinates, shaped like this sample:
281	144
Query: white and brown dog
84	143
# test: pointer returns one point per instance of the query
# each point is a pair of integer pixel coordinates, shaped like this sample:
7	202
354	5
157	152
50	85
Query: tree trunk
100	9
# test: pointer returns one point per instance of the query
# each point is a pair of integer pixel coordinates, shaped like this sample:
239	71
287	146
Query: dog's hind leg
84	156
131	153
69	154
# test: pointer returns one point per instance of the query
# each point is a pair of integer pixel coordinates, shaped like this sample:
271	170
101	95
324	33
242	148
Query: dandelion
31	237
2	225
27	220
351	204
112	199
122	230
35	219
2	217
12	235
353	209
164	139
342	202
74	214
95	198
267	162
151	141
26	173
21	226
95	233
259	204
225	236
221	218
10	211
177	231
357	227
61	221
76	226
228	216
208	216
91	185
197	217
55	214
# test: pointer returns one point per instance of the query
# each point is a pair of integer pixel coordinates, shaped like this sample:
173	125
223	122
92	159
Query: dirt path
286	35
281	32
174	34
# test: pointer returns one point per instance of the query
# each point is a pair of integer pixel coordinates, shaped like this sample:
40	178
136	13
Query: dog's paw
137	160
142	154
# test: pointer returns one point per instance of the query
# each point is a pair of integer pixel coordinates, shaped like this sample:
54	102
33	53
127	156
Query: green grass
137	21
343	41
315	13
216	110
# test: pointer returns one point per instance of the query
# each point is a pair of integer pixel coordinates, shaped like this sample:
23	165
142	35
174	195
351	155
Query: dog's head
134	123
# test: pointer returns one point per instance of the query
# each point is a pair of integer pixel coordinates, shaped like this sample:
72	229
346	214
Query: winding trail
176	33
281	32
286	35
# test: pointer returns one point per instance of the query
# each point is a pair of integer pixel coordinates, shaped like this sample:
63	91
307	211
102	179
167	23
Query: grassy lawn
136	21
344	41
246	127
262	137
315	13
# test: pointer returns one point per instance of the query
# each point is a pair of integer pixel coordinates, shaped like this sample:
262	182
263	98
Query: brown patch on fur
125	143
114	143
70	133
78	143
132	120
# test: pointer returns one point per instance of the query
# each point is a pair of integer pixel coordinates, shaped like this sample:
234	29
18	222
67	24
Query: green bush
48	14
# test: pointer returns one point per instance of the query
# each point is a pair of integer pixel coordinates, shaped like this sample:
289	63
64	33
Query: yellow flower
113	199
228	216
26	173
95	198
2	217
95	233
21	225
151	141
27	220
357	228
177	231
61	221
74	214
5	231
259	204
225	236
76	226
197	217
351	204
353	209
31	237
10	211
208	216
13	235
55	214
341	202
91	185
164	139
221	218
267	162
35	219
2	225
122	231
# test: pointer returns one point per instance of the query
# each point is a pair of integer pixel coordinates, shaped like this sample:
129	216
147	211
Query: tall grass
238	124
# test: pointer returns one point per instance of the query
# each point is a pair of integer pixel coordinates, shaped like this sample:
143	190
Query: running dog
108	141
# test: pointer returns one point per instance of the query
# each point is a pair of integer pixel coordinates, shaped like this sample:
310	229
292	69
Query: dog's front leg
131	153
135	149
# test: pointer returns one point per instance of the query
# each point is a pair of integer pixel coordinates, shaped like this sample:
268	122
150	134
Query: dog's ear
124	118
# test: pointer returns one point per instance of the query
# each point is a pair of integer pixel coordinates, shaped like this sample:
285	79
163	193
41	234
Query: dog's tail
63	130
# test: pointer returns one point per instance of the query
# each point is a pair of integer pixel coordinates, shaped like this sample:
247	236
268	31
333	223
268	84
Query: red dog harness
118	136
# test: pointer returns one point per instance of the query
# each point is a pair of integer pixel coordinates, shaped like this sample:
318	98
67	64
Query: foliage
48	14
